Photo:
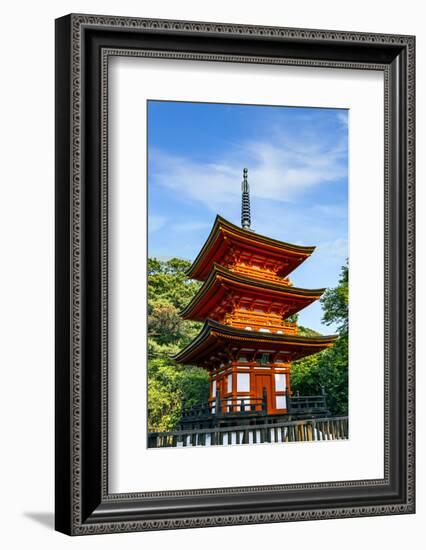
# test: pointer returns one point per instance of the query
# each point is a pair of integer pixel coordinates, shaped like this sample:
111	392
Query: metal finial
245	202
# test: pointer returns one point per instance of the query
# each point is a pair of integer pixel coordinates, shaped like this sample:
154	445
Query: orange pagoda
248	340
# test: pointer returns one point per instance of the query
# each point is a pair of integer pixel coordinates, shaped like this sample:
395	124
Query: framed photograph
234	274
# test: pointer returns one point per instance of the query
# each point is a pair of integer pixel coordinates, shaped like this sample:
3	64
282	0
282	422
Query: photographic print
207	297
247	274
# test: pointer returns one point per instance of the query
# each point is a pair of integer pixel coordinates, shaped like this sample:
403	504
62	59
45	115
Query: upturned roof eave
210	324
214	329
303	251
241	279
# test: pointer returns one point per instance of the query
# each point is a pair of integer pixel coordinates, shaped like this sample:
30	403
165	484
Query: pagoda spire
245	202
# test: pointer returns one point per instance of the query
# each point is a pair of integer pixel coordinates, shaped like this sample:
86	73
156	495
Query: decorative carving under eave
255	320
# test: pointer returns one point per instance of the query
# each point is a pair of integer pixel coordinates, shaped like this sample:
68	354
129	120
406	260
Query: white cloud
333	250
298	223
334	211
156	222
343	117
280	168
191	226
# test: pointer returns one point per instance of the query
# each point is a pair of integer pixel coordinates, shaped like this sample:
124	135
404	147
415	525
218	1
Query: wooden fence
317	429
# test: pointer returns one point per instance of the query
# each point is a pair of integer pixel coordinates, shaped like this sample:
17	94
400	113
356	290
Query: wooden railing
318	429
260	274
256	321
240	406
253	406
307	404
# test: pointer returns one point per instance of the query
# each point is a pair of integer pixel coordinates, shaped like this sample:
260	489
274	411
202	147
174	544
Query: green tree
168	280
329	368
335	303
169	383
305	331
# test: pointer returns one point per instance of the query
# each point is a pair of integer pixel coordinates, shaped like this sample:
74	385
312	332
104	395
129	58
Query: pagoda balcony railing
307	404
260	274
226	407
257	321
240	407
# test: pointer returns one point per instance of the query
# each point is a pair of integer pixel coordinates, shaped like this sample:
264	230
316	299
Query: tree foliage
335	303
168	382
168	385
328	369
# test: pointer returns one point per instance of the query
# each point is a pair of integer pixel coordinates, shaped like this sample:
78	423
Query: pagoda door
264	382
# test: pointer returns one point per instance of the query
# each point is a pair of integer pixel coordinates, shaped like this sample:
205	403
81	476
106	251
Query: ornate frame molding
85	508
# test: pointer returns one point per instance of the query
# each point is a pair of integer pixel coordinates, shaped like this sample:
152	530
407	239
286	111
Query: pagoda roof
225	234
221	280
215	337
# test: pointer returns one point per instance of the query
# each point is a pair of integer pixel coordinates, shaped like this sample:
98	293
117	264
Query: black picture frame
83	44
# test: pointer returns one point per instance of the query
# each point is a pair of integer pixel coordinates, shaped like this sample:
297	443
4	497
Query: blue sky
297	160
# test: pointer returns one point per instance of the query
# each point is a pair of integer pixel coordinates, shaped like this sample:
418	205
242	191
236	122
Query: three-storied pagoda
247	343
